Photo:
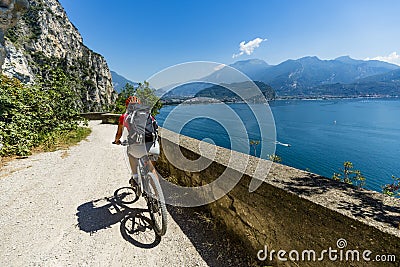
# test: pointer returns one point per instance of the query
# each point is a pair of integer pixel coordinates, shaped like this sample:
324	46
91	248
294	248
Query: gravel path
58	209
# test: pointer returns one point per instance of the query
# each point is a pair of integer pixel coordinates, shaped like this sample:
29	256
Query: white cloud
393	58
248	48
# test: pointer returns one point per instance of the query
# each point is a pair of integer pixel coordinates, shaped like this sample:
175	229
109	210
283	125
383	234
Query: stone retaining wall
292	209
103	116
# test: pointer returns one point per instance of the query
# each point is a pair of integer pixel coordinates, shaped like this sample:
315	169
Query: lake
322	133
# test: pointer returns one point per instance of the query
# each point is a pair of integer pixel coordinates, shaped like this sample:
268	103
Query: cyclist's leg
135	151
152	169
154	150
133	162
133	181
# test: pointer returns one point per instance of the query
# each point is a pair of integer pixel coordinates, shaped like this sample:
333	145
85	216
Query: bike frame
142	171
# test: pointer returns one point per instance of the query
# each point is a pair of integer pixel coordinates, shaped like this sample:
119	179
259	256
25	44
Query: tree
143	91
127	91
274	158
148	97
350	176
254	144
392	189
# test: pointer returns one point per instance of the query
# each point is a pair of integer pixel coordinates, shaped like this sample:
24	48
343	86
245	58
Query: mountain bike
146	184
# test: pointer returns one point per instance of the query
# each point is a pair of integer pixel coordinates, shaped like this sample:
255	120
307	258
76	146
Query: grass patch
55	141
63	140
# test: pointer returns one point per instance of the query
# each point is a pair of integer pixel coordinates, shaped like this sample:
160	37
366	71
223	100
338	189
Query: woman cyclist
151	147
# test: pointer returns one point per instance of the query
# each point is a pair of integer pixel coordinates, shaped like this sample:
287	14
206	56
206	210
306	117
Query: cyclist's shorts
152	149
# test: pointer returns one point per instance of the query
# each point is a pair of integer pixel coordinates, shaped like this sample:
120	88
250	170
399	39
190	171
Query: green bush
30	115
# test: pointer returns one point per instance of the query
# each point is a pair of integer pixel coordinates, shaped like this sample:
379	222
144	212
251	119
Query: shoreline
336	97
317	98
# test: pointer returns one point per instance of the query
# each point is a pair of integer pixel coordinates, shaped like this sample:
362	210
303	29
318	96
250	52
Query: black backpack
142	127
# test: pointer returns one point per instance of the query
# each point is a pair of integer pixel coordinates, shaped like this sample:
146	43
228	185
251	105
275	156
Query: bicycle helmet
132	99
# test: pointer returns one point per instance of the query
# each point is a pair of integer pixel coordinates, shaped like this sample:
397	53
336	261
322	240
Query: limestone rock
16	65
10	13
43	39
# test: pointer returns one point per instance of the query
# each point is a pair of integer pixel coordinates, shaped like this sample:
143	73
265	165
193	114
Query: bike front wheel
156	204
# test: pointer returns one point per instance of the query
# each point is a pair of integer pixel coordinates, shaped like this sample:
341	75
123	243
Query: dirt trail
58	209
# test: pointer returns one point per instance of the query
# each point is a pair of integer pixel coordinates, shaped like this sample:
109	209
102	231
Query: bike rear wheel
156	204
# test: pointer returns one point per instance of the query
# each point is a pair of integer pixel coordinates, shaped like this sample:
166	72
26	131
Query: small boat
282	144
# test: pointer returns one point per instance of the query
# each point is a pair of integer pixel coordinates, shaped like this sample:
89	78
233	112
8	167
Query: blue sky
140	38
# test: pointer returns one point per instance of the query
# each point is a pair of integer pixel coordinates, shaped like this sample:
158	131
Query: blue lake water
322	133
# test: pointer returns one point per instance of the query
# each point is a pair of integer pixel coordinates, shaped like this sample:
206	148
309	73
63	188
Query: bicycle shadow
135	227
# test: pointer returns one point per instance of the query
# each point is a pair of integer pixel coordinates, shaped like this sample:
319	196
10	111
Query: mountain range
120	81
230	93
306	77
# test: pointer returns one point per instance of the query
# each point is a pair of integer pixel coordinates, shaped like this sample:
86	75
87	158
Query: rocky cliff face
10	13
43	40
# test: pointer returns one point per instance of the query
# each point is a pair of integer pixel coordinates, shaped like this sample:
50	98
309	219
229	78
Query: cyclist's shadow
102	213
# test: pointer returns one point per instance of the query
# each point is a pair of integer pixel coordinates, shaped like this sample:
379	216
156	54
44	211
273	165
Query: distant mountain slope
372	63
253	68
246	89
120	81
392	76
186	90
302	76
387	84
297	77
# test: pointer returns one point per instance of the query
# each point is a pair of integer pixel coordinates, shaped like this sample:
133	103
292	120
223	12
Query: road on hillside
59	209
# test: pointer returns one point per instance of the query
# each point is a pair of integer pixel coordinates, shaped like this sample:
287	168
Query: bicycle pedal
132	182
